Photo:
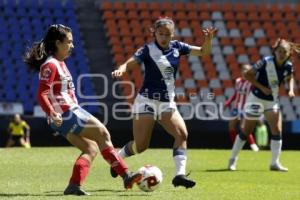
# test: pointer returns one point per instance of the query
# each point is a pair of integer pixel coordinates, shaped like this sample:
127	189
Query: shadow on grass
218	170
28	195
124	193
239	170
105	192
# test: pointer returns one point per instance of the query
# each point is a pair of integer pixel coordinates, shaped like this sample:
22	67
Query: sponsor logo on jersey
46	74
169	73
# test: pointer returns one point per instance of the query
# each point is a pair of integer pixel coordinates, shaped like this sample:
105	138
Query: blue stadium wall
202	134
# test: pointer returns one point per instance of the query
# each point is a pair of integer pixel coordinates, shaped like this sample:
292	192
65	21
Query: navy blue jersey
160	69
261	75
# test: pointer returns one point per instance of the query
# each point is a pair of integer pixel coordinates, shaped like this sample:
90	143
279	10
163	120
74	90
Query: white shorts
255	106
144	105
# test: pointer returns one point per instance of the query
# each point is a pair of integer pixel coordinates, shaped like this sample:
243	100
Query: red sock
115	161
232	135
80	171
251	139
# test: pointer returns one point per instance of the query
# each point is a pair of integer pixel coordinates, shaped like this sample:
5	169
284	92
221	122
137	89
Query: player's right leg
240	141
144	112
142	130
23	143
82	165
232	129
174	124
96	131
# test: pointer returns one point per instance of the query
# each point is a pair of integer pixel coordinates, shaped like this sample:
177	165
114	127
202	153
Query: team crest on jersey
139	51
285	73
176	53
46	74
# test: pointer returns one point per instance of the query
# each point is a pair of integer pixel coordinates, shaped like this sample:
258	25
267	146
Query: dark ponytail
40	51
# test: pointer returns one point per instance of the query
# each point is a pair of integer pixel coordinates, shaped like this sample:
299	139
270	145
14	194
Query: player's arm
249	74
230	100
46	82
122	69
290	80
206	47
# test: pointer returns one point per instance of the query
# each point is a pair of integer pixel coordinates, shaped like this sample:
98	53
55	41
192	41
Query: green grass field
42	173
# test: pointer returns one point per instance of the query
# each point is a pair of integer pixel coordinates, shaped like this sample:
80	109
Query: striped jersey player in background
242	89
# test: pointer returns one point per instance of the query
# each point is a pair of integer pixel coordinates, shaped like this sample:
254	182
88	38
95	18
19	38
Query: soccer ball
152	177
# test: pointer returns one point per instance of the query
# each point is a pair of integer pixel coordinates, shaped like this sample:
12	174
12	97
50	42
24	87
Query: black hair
38	53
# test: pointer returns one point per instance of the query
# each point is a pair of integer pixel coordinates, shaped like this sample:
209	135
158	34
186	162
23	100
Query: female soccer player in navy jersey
56	96
266	75
155	100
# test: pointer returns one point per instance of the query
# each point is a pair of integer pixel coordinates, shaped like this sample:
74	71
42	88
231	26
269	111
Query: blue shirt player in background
155	101
266	75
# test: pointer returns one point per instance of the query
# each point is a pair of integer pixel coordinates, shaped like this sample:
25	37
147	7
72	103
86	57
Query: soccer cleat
182	180
131	178
113	173
27	145
75	190
232	164
278	167
254	147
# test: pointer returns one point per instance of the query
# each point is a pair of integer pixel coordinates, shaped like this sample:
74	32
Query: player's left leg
274	120
10	142
174	124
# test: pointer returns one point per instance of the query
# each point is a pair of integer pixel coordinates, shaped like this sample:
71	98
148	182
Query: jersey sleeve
25	125
140	54
289	70
260	64
47	74
184	48
46	79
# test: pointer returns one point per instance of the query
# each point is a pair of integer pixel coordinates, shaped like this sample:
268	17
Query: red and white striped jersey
56	88
242	89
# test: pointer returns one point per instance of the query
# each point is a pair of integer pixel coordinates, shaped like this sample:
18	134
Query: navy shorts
74	120
236	113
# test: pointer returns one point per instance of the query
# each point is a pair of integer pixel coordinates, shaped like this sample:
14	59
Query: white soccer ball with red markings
152	178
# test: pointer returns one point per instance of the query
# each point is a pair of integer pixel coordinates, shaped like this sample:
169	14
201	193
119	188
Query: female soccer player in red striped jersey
57	98
242	89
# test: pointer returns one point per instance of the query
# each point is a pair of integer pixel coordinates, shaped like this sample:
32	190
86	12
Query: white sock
180	164
125	152
237	146
122	153
276	150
